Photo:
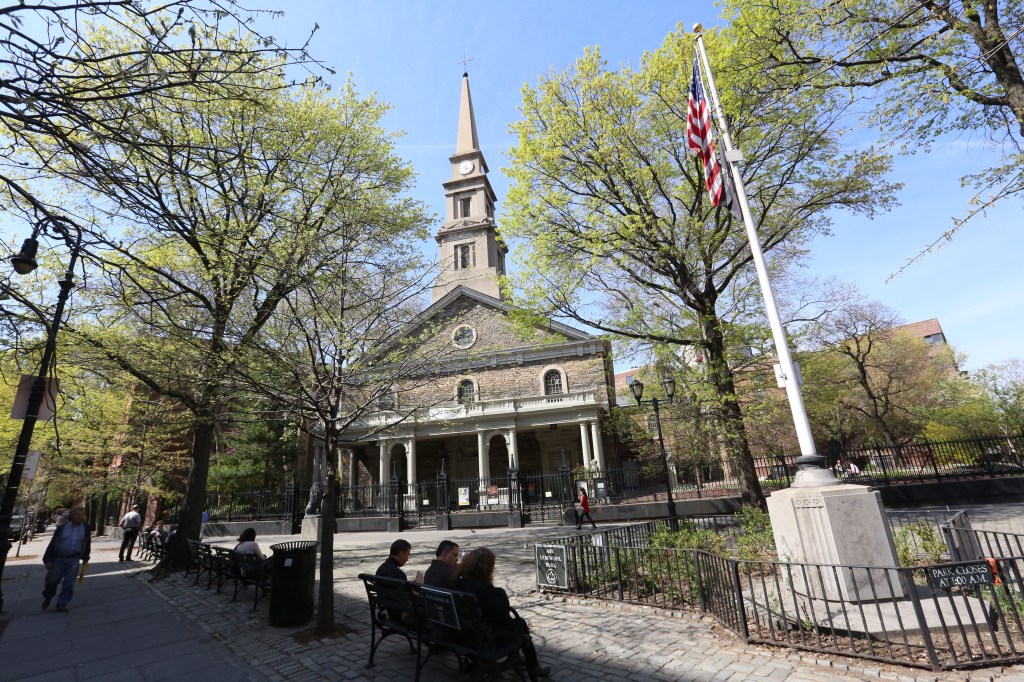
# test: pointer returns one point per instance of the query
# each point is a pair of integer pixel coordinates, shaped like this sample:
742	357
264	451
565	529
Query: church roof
463	291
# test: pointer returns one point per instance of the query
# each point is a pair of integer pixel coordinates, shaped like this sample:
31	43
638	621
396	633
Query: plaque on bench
440	606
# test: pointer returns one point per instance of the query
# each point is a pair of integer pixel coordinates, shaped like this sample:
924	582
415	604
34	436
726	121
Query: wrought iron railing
940	617
918	461
542	496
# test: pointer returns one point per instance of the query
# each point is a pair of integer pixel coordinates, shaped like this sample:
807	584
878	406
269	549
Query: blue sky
408	52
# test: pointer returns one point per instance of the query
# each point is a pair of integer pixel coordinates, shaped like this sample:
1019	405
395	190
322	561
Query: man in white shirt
131	523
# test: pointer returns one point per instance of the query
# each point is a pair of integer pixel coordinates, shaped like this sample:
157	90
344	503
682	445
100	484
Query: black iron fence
952	615
255	505
542	496
919	461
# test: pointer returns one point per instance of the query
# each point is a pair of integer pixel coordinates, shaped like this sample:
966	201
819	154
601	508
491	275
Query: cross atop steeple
465	60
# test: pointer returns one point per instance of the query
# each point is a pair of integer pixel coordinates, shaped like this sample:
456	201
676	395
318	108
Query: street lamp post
24	263
637	387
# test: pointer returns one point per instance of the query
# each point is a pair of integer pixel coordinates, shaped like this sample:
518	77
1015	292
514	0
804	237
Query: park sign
552	568
965	574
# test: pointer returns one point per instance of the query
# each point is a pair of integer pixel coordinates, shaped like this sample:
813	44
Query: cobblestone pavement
579	639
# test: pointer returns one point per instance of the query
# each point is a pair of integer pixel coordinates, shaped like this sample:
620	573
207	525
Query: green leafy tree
616	229
1003	384
247	206
988	402
336	351
82	79
61	67
259	453
925	68
874	375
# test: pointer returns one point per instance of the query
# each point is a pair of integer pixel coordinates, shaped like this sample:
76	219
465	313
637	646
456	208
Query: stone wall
513	381
494	332
494	365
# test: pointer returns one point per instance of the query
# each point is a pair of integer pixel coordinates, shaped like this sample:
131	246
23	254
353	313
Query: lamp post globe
24	261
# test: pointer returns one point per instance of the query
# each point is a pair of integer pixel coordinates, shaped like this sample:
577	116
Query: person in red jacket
584	512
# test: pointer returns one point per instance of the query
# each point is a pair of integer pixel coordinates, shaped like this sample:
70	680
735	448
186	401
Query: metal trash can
291	582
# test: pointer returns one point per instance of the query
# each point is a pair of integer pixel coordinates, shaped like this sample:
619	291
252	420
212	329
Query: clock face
466	167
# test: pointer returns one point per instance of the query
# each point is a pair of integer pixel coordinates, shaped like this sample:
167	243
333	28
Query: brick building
507	396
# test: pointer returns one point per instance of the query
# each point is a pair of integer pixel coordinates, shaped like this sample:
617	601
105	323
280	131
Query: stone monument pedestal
835	525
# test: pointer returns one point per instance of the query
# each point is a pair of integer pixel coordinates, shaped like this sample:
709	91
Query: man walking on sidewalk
68	547
131	523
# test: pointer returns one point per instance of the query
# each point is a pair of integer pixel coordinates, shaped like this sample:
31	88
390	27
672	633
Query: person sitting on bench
475	574
442	569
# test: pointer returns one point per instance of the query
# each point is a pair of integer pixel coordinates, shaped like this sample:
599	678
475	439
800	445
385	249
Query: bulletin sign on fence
948	576
552	568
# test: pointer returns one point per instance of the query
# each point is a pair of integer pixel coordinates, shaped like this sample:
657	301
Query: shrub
756	541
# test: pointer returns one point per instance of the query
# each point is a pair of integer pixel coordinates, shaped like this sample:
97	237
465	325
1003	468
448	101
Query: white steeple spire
469	251
467	140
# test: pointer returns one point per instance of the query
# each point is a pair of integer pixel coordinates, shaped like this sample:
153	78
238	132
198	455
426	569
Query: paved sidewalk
117	629
122	626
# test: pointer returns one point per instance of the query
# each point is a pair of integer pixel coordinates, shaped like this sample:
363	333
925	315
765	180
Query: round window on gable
464	336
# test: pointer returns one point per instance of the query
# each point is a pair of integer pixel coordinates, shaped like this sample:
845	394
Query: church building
507	396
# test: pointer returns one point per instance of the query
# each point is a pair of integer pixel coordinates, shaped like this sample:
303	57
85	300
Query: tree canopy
211	212
616	230
924	68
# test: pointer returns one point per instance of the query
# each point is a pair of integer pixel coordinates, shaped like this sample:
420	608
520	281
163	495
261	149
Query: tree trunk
190	522
730	417
325	602
99	521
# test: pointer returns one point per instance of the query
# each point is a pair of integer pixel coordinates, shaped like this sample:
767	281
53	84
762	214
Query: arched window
467	392
553	382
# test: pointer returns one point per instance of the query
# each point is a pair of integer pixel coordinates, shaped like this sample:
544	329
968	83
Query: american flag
698	134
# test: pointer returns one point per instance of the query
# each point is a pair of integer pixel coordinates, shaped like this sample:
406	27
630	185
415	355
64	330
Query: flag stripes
698	135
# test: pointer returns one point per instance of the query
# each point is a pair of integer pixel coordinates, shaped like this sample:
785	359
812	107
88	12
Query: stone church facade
507	397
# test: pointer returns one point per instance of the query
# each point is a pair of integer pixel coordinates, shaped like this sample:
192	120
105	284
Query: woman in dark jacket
475	574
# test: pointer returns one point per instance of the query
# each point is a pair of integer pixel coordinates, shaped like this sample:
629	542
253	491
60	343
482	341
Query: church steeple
467	141
469	249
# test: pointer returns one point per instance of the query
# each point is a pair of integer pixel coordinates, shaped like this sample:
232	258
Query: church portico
484	439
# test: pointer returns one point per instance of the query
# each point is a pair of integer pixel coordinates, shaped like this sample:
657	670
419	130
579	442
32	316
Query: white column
385	456
484	462
585	440
352	469
410	460
513	449
595	433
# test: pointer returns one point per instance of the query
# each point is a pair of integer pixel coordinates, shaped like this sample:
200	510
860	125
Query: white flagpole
810	461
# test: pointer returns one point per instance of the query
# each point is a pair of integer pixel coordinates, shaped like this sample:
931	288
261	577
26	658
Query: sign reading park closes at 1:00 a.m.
552	570
948	576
